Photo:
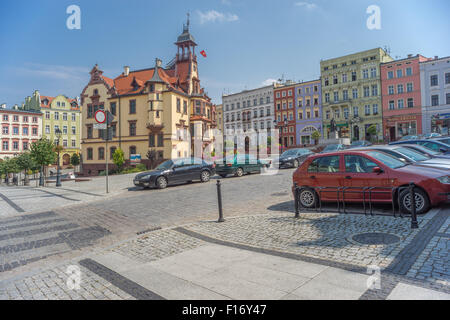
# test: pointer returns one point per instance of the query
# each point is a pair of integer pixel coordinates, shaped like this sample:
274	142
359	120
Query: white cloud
268	82
213	16
307	5
53	71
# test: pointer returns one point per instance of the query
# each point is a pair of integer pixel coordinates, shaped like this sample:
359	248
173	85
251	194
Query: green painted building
351	94
60	113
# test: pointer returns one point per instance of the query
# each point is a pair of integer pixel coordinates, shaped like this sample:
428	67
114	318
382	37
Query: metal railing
367	200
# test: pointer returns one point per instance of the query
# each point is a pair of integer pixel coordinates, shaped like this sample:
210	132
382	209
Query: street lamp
58	174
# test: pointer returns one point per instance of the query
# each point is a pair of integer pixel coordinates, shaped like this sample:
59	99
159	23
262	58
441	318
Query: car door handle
348	177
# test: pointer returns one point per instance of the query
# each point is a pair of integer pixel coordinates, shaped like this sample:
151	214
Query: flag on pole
203	53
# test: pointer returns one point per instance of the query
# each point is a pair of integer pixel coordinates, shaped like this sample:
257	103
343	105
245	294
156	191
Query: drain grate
376	238
148	230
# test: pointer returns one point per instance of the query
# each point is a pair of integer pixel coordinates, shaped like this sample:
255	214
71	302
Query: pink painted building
401	97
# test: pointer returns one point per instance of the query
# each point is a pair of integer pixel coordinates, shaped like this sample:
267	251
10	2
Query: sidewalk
271	256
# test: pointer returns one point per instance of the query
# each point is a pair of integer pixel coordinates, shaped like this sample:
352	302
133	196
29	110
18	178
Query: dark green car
239	165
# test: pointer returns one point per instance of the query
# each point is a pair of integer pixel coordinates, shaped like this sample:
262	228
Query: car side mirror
442	150
377	170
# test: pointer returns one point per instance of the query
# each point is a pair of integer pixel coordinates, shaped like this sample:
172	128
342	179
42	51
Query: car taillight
229	165
213	165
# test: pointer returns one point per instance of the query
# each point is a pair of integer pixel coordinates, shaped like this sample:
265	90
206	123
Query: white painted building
19	129
249	109
435	90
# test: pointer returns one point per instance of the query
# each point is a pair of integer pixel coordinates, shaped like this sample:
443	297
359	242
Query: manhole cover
375	238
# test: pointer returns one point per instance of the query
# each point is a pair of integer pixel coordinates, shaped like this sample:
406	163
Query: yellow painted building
157	111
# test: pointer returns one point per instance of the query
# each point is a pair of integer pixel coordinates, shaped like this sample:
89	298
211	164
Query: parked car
359	144
174	172
333	148
294	157
411	156
410	137
371	168
445	140
431	135
429	143
239	165
424	150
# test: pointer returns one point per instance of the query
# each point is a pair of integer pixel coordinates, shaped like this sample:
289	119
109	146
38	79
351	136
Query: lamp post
58	173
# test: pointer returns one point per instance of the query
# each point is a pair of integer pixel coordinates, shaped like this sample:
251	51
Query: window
64	116
408	71
185	107
56	115
434	100
399	73
373	72
74	143
365	74
74	130
268	100
327	114
345	95
132	106
410	102
278	95
344	78
65	143
326	82
346	113
434	80
25	131
400	104
300	115
409	87
160	140
25	145
34	131
74	117
374	90
367	109
90	154
366	91
447	98
5	145
400	88
358	164
335	79
337	113
15	131
375	109
391	89
112	150
151	140
16	118
112	109
47	129
447	78
90	133
132	128
325	164
15	145
268	112
336	96
90	112
5	117
178	105
25	119
327	98
101	153
391	105
355	93
64	129
283	93
355	111
391	75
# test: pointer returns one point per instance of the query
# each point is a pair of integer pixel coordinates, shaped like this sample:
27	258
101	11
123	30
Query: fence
367	193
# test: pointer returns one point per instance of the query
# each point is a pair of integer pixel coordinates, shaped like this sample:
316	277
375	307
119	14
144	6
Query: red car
358	170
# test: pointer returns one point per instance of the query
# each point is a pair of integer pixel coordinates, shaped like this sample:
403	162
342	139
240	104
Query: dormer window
95	92
152	87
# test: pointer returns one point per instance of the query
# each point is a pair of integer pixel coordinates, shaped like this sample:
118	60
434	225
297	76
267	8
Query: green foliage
25	162
75	159
42	152
372	130
119	159
11	166
316	135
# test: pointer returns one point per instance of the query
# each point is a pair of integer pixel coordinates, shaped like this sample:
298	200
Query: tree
151	155
316	136
11	167
119	159
372	131
43	153
25	163
75	159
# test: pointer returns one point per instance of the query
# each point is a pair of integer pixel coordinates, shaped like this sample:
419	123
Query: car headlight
147	177
444	179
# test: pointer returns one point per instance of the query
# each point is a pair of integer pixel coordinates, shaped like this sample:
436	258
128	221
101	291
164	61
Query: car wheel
296	163
239	172
161	183
308	198
205	176
421	199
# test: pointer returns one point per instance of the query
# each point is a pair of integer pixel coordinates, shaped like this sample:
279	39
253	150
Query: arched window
309	129
132	150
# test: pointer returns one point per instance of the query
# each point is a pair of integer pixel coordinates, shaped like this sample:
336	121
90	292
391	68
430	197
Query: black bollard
296	200
219	199
412	195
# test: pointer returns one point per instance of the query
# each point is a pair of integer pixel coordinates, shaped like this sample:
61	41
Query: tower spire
188	15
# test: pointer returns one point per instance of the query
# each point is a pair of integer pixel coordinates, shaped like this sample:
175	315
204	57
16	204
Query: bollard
412	195
296	200
219	199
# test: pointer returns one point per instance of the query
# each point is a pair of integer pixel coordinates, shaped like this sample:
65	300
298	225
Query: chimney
410	55
436	57
3	106
158	62
126	71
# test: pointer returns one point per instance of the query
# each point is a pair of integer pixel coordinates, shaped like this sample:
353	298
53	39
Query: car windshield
357	143
416	156
288	153
165	165
386	159
331	147
446	141
424	149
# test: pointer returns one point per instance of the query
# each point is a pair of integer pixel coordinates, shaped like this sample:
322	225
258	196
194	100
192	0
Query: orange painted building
284	107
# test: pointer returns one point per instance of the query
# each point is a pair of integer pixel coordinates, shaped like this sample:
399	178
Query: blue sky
247	41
